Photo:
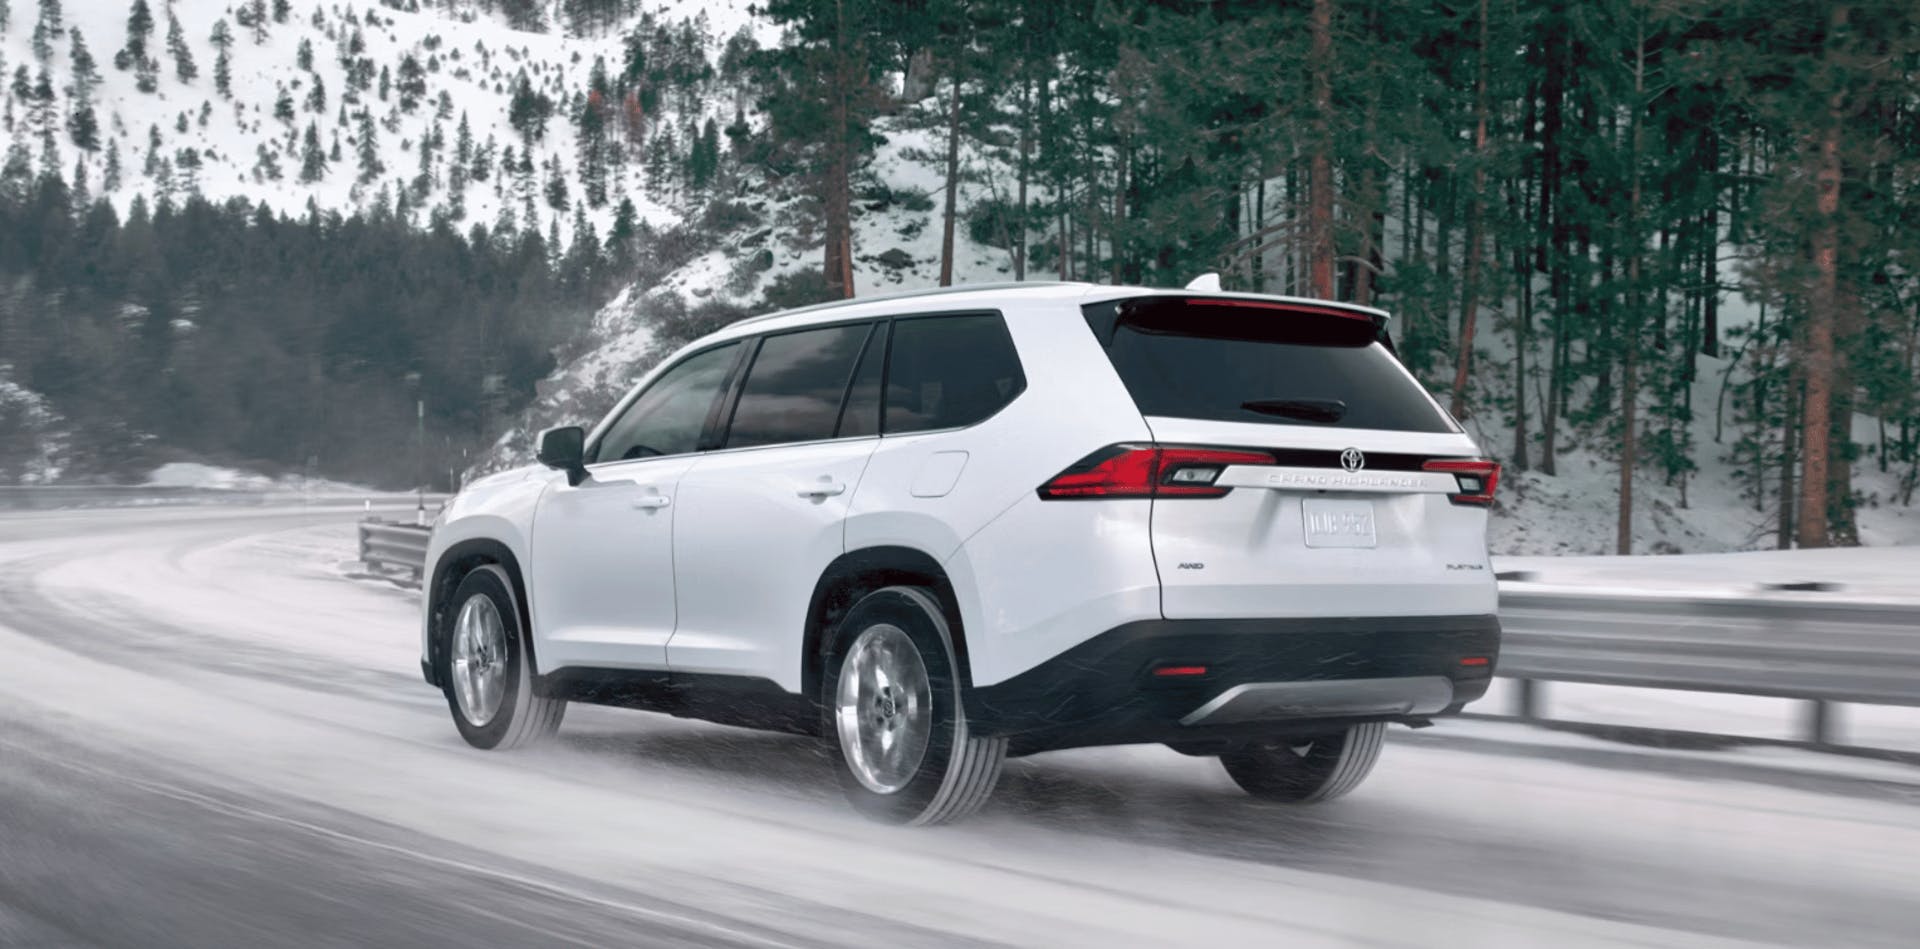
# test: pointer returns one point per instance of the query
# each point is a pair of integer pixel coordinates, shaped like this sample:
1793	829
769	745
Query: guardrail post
1819	720
1526	699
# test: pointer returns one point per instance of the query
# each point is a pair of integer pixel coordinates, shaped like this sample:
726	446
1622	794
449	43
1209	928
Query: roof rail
906	295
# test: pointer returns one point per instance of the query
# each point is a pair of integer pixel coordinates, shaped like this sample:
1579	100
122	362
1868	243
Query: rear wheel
1304	770
489	680
896	726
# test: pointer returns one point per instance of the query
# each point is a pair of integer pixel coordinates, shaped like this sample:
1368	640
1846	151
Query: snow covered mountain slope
376	87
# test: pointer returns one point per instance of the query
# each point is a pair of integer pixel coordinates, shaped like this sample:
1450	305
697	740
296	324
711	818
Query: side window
793	390
668	418
949	372
861	415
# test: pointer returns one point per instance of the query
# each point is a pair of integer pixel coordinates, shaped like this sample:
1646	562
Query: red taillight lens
1477	478
1146	471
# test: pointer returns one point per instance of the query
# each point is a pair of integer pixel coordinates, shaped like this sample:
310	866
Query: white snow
475	59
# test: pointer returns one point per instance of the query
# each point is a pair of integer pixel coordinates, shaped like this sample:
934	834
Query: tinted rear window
794	388
1236	362
949	372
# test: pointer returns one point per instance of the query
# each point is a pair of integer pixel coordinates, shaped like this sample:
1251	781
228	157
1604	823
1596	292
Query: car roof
987	294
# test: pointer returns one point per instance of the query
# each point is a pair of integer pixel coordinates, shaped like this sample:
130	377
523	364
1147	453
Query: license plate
1338	523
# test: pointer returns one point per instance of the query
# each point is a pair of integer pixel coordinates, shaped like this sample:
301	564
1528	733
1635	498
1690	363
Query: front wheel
1305	770
897	730
489	680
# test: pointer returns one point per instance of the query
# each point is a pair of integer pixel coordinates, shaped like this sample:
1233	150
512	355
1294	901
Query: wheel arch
859	572
455	563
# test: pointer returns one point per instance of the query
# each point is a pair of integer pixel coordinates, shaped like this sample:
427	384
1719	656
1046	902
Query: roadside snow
1853	572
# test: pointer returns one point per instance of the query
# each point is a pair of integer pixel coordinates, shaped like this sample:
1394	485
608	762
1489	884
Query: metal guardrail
402	546
1820	651
47	497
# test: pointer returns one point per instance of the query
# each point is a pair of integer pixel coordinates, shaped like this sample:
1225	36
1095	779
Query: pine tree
313	161
85	72
423	181
46	30
139	31
222	40
317	96
253	15
303	57
84	126
110	179
528	111
556	189
483	160
281	8
183	65
283	107
82	190
413	83
367	147
822	107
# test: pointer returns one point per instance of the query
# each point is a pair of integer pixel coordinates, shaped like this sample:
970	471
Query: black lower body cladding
1160	680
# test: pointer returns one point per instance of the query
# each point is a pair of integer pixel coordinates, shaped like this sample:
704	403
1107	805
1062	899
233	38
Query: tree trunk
1522	338
1630	333
838	262
1788	429
1817	357
1020	197
1470	272
1320	252
953	184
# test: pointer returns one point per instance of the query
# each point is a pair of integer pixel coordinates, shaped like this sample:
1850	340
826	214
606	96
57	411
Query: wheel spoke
479	660
883	708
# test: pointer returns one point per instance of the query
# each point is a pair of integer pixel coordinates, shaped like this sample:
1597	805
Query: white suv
943	528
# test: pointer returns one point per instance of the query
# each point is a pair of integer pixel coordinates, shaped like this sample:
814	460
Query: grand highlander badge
1352	460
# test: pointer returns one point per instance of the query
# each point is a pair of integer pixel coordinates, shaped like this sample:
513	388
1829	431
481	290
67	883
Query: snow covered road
207	738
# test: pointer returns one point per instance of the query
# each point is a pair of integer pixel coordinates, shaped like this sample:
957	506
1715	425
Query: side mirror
565	449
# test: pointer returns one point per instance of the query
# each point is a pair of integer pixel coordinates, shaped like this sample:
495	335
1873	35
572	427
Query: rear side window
794	388
949	372
1250	361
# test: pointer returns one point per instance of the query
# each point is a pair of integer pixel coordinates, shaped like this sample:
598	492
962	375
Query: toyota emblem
1352	460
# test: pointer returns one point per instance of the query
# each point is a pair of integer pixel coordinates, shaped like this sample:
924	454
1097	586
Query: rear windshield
1246	361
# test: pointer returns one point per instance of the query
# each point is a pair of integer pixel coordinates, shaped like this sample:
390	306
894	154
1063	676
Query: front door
602	551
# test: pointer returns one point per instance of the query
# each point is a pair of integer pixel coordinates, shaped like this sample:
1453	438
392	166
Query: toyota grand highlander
940	529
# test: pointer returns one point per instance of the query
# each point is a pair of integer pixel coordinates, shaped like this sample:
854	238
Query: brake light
1295	308
1477	478
1147	471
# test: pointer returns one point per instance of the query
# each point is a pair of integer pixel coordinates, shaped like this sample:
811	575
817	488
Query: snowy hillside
410	110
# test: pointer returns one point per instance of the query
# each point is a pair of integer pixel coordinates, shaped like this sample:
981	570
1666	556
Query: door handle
651	502
825	489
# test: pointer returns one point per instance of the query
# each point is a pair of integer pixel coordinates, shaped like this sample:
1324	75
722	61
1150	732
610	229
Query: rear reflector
1476	477
1474	661
1174	672
1148	471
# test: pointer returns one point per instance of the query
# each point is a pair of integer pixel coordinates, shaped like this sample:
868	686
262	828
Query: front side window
795	386
949	372
669	416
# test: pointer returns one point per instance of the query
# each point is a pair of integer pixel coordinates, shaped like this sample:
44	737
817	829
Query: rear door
1343	490
760	518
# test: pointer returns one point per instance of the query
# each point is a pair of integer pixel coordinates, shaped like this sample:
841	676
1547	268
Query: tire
1304	771
899	640
494	706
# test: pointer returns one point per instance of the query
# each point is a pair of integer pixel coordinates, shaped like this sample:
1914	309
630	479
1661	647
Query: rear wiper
1303	410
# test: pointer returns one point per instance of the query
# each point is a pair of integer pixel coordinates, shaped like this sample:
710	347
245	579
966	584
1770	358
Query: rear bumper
1263	678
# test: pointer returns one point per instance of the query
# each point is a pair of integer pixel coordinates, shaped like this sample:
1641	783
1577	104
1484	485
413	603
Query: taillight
1477	477
1147	471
